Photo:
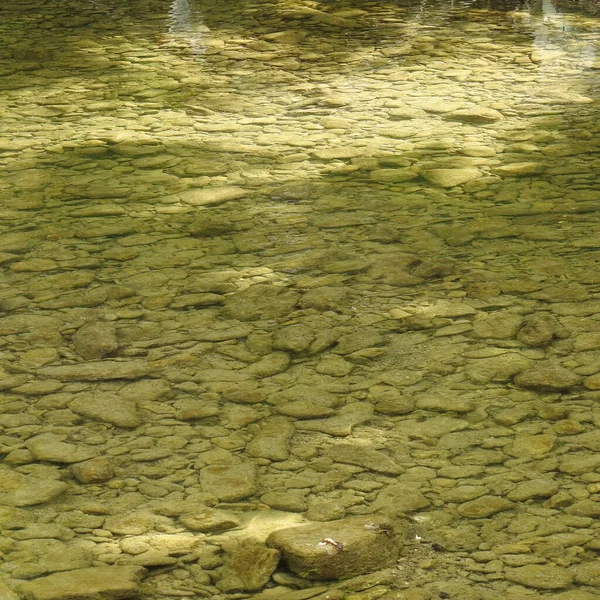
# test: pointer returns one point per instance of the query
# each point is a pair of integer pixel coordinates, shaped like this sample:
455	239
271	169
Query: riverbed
297	264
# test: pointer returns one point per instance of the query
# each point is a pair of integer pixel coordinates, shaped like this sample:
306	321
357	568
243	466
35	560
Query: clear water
414	187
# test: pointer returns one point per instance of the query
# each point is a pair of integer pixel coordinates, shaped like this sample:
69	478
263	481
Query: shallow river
323	266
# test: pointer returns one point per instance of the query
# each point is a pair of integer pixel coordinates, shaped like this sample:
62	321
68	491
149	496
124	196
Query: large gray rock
95	339
229	483
212	195
338	549
354	454
294	338
543	577
206	519
17	489
478	115
484	506
503	324
95	470
399	499
273	440
539	329
447	178
42	556
249	567
107	407
94	583
97	370
343	423
51	448
547	375
520	169
260	302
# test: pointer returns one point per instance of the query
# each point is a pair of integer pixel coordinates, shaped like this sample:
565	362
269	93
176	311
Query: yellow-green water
268	264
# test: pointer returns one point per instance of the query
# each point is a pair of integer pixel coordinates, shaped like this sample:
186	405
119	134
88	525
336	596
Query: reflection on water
340	273
180	15
187	26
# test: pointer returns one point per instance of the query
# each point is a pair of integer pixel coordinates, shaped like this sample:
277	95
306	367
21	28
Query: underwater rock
86	584
338	549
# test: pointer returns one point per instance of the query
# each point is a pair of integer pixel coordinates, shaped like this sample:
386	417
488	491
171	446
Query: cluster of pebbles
299	300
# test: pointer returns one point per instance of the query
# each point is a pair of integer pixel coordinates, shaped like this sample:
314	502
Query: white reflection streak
181	25
553	31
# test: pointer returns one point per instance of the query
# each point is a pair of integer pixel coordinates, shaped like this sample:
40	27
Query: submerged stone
51	448
107	407
95	339
248	568
543	577
86	584
229	483
547	375
212	195
338	549
260	302
448	178
97	370
476	115
520	169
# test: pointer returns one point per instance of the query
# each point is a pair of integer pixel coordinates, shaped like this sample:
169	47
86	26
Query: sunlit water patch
299	300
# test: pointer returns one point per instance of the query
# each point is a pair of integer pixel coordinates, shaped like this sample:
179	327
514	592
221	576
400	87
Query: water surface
278	262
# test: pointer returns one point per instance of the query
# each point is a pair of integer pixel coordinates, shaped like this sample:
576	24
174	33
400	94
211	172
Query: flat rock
8	594
354	454
592	382
533	488
390	401
399	499
271	364
539	329
30	491
51	448
587	573
444	402
543	577
209	520
95	470
229	483
304	409
95	339
286	500
260	302
547	376
248	568
94	583
97	370
433	427
334	366
439	106
448	178
531	446
273	440
584	508
342	424
484	506
41	556
212	195
393	175
503	324
107	407
136	523
520	169
337	549
478	115
294	338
